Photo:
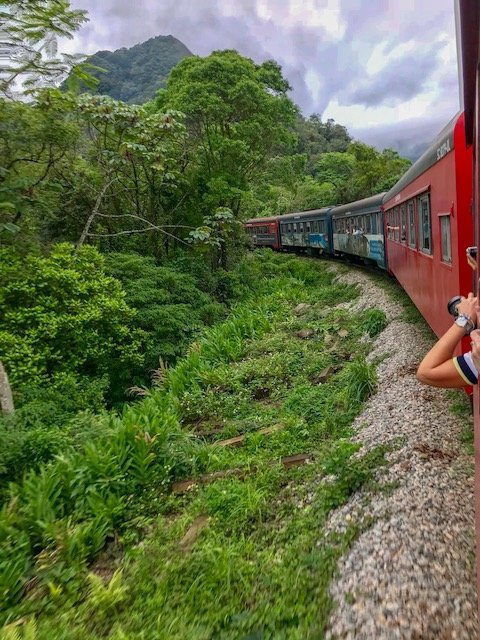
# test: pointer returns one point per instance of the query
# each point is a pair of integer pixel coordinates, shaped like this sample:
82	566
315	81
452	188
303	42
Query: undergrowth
260	563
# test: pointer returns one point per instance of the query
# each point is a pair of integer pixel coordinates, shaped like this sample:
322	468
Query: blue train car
358	230
307	231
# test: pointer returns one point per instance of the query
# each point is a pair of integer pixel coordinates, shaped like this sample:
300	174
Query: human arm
438	368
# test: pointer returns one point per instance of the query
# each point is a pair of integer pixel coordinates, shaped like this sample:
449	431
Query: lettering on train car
444	148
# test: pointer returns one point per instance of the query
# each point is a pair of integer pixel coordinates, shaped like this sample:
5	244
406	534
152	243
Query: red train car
429	225
263	232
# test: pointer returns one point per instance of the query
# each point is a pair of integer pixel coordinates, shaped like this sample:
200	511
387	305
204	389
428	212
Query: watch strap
464	321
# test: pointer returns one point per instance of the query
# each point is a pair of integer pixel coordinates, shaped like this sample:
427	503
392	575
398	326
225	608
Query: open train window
412	227
307	225
446	236
425	224
321	226
396	224
403	224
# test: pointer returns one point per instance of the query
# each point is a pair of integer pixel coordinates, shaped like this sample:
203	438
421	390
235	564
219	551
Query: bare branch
96	208
126	232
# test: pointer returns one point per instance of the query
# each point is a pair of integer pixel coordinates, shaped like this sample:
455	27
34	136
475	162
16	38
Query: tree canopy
30	31
237	114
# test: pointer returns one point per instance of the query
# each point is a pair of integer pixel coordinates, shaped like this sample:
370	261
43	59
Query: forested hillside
126	292
134	75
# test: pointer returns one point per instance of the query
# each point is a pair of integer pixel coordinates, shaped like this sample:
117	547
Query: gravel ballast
411	574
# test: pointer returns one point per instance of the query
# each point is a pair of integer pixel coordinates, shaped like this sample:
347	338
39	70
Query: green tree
374	171
134	156
361	172
34	140
30	29
61	314
170	310
316	137
238	115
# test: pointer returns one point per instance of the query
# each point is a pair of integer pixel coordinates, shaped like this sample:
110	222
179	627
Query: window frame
412	224
403	224
447	217
424	197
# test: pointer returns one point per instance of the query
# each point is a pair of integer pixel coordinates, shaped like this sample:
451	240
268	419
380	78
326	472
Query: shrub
374	322
170	310
61	313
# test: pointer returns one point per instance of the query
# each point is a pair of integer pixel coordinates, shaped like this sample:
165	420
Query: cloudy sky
386	69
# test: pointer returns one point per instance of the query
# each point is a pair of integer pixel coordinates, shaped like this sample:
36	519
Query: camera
452	305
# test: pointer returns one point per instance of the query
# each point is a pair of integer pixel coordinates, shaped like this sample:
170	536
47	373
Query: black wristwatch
464	321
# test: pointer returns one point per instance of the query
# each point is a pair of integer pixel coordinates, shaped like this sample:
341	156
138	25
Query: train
418	231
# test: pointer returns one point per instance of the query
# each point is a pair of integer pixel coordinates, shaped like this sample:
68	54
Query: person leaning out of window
440	368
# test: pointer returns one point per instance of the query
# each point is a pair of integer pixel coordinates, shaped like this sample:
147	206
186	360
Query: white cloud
369	64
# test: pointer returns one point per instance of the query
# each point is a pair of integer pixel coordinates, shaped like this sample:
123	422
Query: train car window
425	224
300	227
321	226
403	224
368	223
396	224
412	227
307	225
445	234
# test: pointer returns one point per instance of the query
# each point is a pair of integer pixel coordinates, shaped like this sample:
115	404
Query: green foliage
134	75
105	597
170	310
30	31
316	137
66	510
237	113
62	314
360	379
374	322
33	138
63	513
26	631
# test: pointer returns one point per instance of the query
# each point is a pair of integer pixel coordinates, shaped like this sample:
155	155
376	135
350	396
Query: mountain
134	75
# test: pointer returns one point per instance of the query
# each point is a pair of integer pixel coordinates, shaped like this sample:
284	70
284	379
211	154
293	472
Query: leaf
7	205
9	226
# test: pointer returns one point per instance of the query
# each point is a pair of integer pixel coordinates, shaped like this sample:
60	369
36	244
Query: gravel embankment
411	575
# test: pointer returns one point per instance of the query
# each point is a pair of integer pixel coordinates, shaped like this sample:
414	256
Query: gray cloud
400	81
301	49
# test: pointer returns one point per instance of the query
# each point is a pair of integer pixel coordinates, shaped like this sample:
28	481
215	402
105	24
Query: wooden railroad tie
288	462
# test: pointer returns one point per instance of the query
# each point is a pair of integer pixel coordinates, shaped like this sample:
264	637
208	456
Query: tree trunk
96	209
6	398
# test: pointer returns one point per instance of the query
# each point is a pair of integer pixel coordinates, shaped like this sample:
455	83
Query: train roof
366	205
302	215
467	18
426	160
257	220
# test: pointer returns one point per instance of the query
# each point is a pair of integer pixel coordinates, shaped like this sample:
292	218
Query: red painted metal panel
428	280
273	228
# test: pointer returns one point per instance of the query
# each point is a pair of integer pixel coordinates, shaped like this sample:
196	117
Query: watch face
461	321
